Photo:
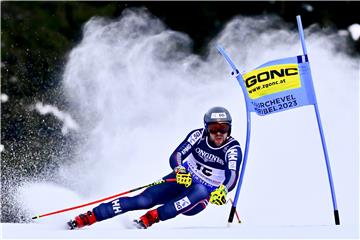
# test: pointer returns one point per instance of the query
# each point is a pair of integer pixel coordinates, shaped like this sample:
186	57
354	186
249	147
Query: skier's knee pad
144	200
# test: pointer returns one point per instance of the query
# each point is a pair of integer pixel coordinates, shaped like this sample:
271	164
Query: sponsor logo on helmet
218	115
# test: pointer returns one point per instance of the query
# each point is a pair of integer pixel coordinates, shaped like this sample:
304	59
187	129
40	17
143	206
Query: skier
205	165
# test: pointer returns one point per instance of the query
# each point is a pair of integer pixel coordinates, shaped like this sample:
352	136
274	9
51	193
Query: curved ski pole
107	198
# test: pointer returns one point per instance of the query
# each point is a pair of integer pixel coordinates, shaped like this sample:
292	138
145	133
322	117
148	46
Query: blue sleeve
184	149
233	158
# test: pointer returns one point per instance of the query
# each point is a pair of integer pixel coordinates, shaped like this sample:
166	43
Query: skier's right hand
182	176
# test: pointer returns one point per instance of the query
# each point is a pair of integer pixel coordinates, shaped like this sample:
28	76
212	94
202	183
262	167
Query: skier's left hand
218	196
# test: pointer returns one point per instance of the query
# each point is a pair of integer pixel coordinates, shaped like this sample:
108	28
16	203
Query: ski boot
82	220
147	220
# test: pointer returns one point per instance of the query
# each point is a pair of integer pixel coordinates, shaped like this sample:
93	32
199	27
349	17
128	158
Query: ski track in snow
234	231
124	79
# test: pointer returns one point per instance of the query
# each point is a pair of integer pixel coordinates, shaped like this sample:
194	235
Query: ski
71	224
139	224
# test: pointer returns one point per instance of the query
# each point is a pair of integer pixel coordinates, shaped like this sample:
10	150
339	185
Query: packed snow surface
137	89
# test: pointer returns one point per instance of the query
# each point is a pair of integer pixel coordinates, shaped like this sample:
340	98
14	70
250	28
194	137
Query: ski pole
236	213
107	198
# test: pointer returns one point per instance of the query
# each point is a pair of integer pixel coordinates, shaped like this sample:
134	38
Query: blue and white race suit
209	167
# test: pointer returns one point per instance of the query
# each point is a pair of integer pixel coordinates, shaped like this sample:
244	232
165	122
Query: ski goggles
222	128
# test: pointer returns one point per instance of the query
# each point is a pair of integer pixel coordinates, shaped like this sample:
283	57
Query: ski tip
139	224
71	225
35	217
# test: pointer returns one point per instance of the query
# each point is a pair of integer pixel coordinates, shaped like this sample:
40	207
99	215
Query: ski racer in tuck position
206	167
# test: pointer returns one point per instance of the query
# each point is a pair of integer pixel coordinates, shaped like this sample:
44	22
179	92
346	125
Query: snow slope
137	89
204	231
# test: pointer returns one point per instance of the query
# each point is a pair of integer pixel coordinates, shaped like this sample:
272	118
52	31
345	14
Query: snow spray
136	89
